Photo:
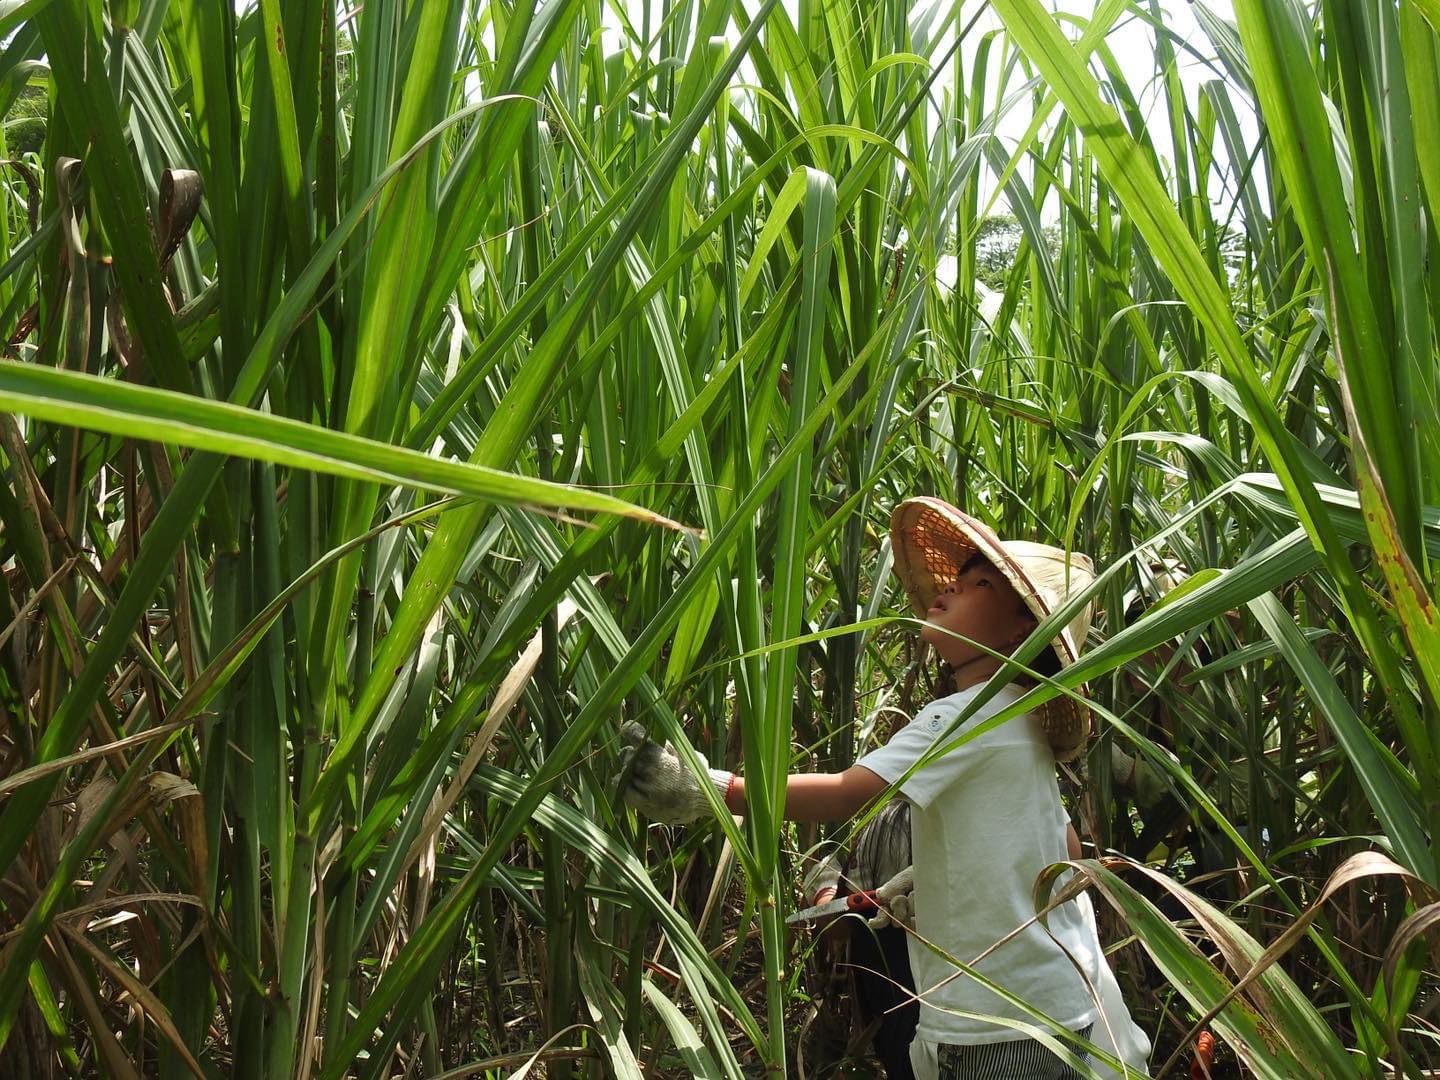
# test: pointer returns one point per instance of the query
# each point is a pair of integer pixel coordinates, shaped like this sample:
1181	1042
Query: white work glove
1137	774
823	881
661	786
896	899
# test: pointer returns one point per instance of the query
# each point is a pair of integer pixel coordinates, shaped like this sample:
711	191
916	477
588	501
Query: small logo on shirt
934	723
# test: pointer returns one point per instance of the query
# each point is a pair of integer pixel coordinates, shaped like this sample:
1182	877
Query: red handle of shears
1200	1068
862	901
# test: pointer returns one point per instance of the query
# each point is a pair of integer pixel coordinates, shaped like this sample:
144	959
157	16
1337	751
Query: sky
1131	41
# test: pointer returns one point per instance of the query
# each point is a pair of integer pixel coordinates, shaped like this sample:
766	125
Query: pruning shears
853	904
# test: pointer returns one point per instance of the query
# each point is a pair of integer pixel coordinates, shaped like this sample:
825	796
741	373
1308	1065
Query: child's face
981	605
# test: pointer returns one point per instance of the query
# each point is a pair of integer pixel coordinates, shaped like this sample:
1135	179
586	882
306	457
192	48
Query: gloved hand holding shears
892	904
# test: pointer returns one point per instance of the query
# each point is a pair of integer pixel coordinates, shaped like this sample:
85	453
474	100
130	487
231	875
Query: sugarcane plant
398	399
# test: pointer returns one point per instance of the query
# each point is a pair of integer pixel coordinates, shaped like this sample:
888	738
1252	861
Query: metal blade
830	907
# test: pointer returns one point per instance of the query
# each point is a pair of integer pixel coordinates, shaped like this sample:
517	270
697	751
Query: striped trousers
1023	1059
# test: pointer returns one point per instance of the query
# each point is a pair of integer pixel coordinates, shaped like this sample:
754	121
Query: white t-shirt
987	819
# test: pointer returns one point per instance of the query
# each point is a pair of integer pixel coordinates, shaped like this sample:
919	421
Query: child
986	818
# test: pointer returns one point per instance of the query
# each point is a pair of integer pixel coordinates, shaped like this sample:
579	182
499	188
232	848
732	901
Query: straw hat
932	540
1164	576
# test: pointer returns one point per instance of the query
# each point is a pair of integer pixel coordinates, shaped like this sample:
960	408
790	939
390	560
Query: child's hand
896	900
661	786
823	881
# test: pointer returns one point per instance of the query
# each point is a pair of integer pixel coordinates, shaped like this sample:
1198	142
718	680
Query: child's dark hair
882	847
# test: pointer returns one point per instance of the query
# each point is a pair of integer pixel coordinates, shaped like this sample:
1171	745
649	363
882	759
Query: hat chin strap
958	673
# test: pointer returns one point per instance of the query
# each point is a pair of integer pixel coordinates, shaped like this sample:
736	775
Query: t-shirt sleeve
908	745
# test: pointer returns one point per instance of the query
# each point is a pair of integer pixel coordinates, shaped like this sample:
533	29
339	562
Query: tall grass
402	396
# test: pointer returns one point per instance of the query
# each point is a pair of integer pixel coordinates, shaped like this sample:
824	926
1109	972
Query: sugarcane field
675	539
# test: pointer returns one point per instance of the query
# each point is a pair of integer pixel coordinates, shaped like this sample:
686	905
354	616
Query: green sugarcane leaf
1244	1029
122	408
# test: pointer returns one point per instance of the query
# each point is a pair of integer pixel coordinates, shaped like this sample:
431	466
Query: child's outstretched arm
818	796
662	787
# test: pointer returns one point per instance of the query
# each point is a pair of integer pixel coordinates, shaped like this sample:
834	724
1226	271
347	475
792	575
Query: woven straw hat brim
931	540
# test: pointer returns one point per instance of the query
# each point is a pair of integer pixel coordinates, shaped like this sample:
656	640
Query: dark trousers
877	957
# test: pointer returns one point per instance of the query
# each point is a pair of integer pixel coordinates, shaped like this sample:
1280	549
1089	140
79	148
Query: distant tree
997	245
